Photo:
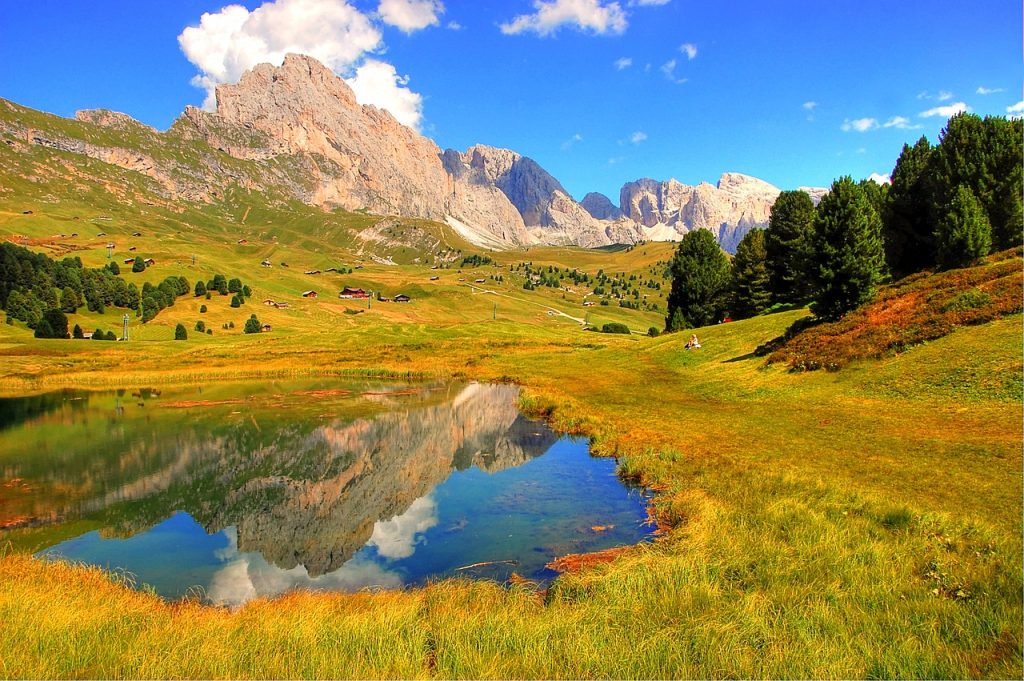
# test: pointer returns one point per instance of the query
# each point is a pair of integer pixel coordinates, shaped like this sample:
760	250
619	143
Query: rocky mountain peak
745	185
110	119
299	84
600	206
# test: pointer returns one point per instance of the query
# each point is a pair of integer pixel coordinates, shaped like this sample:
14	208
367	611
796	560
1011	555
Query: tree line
948	206
41	291
33	284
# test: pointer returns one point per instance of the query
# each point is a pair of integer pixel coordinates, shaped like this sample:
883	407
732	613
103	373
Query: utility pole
494	315
124	334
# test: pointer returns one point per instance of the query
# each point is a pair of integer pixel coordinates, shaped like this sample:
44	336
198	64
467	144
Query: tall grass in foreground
767	578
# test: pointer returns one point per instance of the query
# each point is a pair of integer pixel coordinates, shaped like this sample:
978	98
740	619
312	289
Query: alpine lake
232	492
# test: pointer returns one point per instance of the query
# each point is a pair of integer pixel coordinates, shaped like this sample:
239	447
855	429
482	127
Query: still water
234	492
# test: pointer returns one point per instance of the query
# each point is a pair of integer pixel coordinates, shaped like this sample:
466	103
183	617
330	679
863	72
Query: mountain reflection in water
259	495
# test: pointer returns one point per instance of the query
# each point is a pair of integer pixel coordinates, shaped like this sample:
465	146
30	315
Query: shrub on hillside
615	327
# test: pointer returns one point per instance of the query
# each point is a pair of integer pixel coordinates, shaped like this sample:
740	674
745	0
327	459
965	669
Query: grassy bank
851	524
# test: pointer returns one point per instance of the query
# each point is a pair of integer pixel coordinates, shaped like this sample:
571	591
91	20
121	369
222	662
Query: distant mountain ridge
302	134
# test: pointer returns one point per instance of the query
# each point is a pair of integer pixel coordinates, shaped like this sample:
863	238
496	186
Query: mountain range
296	132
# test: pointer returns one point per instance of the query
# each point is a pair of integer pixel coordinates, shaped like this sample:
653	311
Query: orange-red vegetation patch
919	308
574	562
323	393
392	393
14	522
601	528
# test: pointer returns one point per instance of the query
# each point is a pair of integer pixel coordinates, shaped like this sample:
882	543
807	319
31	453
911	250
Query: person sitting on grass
693	342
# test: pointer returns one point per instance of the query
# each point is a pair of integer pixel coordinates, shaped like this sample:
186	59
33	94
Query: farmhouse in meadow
309	294
348	293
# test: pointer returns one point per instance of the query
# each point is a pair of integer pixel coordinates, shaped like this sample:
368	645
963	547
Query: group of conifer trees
948	206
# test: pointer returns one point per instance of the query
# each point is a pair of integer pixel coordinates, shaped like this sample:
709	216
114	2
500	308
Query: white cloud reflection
248	575
397	538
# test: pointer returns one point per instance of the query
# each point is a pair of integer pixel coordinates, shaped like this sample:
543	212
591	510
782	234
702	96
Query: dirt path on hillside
478	290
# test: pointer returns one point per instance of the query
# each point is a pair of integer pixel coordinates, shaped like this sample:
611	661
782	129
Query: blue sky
598	92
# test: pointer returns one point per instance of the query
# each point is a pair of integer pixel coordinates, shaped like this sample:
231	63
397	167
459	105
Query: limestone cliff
296	131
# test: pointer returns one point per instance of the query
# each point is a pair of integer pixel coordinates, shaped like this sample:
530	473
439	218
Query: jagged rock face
297	131
600	206
668	210
366	158
550	214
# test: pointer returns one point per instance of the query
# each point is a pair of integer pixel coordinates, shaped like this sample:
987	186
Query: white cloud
586	15
454	26
397	538
946	111
623	63
227	43
810	105
942	96
669	69
900	123
568	144
879	179
615	160
379	84
690	50
989	91
1016	108
638	137
410	15
859	125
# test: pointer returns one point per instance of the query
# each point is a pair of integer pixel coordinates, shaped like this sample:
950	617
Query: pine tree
847	258
200	289
984	155
964	234
700	281
252	325
787	246
180	333
70	301
750	292
908	224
